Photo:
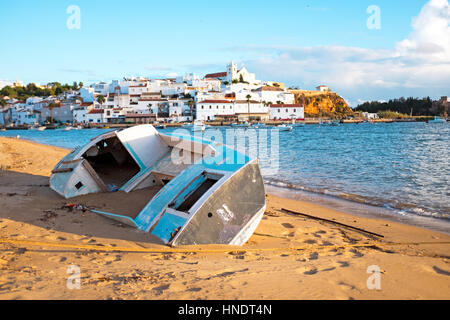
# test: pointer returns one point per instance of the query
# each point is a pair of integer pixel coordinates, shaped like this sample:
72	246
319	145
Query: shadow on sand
28	199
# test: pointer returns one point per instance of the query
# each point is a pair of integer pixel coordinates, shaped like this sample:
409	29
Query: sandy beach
290	256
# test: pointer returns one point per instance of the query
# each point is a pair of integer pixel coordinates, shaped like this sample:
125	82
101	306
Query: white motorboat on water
242	125
283	127
437	120
197	198
198	126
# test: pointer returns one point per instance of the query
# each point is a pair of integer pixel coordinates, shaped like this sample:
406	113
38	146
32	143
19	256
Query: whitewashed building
323	88
273	95
287	112
59	112
210	109
79	115
234	74
95	116
370	116
87	94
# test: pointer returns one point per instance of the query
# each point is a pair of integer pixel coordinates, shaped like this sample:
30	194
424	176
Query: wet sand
290	256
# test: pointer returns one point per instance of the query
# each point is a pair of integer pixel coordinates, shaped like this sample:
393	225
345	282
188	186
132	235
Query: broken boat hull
217	198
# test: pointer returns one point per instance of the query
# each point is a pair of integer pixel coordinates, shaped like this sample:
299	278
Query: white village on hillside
231	95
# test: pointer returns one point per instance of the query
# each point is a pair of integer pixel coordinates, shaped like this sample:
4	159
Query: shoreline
288	257
361	209
330	201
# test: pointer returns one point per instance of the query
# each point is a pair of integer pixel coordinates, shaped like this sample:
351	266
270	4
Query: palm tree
191	107
248	105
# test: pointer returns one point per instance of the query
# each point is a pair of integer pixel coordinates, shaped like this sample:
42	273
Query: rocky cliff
322	103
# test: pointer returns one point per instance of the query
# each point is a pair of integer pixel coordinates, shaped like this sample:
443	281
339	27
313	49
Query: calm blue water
401	166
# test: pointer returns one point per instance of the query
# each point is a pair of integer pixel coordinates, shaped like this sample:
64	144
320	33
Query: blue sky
303	43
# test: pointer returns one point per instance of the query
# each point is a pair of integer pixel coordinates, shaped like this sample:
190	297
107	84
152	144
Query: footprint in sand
111	259
346	286
306	271
356	253
310	272
343	264
89	241
160	289
57	259
310	241
314	256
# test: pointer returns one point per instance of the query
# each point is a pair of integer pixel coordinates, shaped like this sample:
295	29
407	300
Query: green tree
101	99
51	106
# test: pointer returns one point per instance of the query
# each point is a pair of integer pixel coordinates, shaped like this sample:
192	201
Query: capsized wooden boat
209	193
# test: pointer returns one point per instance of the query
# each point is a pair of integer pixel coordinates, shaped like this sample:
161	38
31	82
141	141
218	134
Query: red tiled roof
215	101
140	115
216	75
86	104
152	99
268	88
96	111
286	105
245	101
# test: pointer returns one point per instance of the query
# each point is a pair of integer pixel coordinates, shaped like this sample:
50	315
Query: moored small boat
283	127
198	126
437	120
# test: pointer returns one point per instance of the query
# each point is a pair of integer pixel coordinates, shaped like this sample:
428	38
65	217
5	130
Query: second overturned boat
208	192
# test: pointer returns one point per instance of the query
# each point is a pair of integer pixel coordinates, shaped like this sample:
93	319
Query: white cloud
430	39
418	65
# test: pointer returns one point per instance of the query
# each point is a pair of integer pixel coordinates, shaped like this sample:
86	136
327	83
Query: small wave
401	208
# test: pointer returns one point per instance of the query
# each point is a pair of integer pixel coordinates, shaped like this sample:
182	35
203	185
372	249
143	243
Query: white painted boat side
242	237
210	193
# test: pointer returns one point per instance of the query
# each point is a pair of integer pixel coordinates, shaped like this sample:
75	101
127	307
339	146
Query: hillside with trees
416	106
31	90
